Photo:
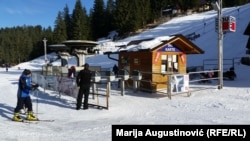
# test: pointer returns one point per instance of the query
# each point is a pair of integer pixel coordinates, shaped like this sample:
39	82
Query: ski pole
36	102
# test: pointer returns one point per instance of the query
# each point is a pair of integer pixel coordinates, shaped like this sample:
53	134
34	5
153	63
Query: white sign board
179	83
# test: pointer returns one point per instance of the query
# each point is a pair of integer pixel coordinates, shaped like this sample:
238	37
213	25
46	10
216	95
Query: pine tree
98	20
60	31
156	8
143	12
123	16
79	22
110	10
67	20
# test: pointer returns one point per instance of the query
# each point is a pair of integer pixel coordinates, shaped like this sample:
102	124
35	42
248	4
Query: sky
35	12
205	105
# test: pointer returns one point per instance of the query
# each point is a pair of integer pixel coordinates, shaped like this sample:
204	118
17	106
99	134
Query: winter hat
26	72
86	65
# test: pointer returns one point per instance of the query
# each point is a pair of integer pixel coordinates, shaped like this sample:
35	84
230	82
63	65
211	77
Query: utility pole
218	7
220	46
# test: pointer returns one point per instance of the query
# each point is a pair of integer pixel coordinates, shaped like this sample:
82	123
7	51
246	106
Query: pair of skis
35	121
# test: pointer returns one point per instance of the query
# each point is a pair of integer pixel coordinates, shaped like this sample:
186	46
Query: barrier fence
174	83
67	86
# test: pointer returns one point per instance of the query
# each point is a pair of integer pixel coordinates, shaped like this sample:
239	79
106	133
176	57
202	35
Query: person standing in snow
83	80
23	96
115	70
72	72
7	67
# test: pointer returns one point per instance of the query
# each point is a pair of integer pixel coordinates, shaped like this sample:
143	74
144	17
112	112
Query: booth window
136	61
169	63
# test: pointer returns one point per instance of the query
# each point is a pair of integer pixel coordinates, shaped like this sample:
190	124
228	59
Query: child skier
23	98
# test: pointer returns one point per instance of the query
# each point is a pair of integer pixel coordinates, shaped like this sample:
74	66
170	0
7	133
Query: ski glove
35	86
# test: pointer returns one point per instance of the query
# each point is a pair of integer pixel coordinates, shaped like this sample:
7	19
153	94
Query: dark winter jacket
83	78
115	70
24	86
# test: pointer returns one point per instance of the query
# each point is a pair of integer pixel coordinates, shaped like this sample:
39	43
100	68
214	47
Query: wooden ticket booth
156	62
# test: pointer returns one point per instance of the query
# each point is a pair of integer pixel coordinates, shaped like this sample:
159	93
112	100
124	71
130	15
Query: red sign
232	24
157	57
228	24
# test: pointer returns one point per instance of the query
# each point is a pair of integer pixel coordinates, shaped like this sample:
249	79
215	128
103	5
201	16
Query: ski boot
17	117
31	117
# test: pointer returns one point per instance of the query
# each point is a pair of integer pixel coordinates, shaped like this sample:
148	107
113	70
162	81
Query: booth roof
151	44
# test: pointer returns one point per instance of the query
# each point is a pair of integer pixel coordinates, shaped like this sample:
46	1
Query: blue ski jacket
24	86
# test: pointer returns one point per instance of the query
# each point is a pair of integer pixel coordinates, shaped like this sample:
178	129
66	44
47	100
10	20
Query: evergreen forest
25	42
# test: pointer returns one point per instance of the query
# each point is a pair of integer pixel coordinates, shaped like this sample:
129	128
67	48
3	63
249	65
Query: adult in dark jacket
23	96
83	80
115	70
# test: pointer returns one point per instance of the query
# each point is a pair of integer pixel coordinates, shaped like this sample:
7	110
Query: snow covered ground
210	106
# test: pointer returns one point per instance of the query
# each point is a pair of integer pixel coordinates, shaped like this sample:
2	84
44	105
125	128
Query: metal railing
227	63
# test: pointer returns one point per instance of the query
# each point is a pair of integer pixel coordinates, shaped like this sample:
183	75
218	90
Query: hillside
204	25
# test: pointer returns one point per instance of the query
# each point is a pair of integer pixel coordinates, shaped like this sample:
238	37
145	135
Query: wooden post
108	87
122	85
169	86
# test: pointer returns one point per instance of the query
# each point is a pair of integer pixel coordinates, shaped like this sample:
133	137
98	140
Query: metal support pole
135	85
36	102
94	90
220	46
45	50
